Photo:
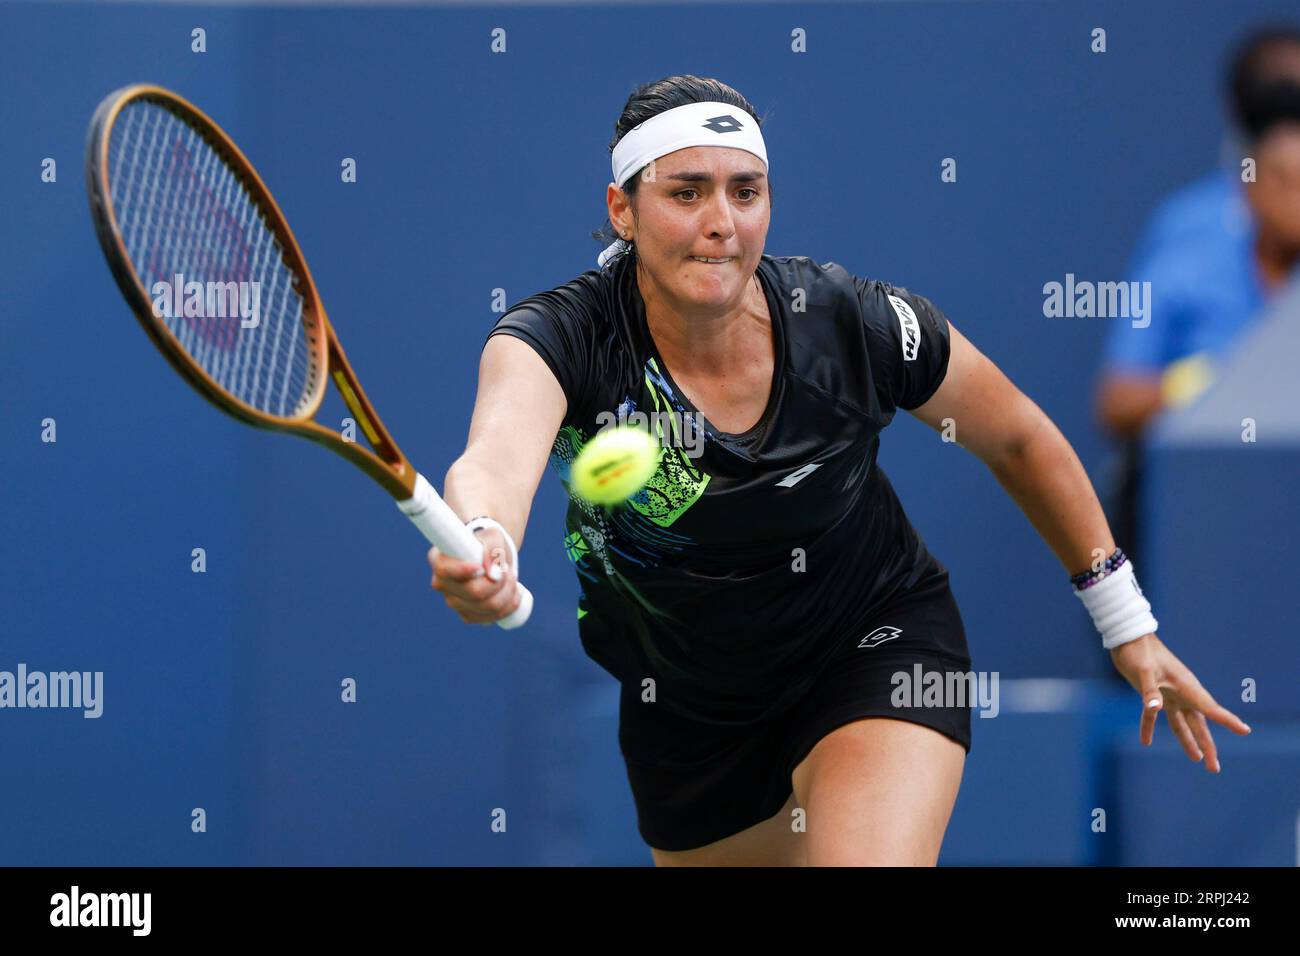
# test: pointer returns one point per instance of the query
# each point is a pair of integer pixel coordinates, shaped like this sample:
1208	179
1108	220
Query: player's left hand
1166	684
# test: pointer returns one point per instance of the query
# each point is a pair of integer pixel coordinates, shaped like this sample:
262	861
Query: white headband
695	124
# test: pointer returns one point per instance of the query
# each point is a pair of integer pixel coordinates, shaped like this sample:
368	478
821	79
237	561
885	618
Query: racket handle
448	533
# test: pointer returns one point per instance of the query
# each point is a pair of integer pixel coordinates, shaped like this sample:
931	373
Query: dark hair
651	99
1263	88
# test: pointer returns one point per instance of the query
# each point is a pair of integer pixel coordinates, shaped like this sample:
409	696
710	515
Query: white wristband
476	524
1119	610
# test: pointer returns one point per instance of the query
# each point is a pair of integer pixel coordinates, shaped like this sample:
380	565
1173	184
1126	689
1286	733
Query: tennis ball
614	465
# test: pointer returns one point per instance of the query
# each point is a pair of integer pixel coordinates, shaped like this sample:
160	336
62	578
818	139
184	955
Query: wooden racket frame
385	464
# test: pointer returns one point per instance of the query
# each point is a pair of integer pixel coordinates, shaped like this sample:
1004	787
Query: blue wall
479	171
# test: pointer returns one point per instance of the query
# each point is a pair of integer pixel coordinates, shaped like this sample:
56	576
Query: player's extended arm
1026	452
519	408
517	412
1036	465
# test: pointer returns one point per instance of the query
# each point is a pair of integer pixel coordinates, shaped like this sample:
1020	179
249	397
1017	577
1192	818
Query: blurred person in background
1216	253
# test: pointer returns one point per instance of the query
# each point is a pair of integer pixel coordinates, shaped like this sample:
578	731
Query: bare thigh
773	842
878	791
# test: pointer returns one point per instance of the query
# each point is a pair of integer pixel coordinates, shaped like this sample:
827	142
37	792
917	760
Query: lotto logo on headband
724	124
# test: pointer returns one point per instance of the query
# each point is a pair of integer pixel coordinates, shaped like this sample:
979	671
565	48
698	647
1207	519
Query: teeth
703	259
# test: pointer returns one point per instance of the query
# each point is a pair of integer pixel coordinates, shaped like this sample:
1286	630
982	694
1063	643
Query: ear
619	205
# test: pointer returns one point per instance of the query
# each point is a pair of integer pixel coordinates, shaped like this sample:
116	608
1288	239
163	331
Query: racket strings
182	210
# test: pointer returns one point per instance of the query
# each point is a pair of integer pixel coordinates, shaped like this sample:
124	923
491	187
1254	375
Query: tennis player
758	599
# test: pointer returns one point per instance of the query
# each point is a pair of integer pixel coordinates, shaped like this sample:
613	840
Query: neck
702	341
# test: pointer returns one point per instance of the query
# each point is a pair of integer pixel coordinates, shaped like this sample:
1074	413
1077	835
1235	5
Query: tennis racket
208	264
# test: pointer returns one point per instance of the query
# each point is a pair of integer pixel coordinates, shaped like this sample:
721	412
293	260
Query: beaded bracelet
1086	579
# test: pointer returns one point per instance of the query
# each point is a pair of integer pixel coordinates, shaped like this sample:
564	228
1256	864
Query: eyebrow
744	176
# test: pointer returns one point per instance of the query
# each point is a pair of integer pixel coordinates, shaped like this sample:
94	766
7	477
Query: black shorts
695	783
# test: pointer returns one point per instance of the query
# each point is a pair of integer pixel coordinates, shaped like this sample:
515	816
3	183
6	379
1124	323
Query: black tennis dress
765	587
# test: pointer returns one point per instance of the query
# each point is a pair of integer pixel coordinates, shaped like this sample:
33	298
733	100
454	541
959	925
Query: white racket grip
444	529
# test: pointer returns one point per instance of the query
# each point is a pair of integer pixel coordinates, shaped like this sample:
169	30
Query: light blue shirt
1198	254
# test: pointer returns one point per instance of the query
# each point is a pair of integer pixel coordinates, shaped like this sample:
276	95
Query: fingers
1198	697
490	611
1136	660
1178	722
1190	705
454	569
1153	703
479	592
1149	666
1199	706
465	580
1202	732
492	608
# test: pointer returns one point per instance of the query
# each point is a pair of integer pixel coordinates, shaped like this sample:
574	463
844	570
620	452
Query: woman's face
707	201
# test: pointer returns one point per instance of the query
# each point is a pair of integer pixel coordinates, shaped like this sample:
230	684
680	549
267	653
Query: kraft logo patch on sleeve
910	327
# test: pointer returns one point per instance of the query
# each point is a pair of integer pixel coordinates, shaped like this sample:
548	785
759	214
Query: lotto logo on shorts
910	327
879	636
